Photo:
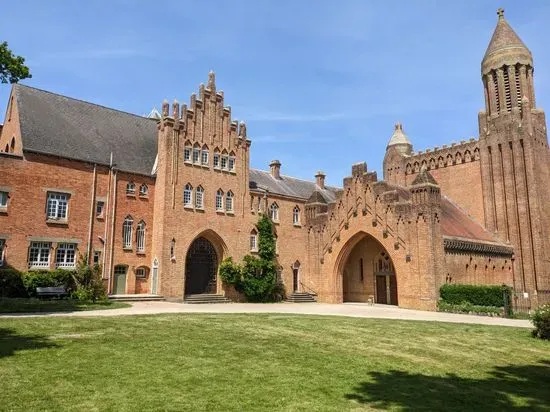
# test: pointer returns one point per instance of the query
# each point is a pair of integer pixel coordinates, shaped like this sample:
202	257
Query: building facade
159	201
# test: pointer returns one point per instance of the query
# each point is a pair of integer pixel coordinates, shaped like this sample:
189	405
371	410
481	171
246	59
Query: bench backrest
54	289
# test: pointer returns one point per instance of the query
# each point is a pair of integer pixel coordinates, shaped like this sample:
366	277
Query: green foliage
467	307
11	284
12	67
480	295
89	284
46	278
541	320
256	277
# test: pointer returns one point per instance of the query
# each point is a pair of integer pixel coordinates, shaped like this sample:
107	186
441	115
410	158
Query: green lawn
206	362
20	305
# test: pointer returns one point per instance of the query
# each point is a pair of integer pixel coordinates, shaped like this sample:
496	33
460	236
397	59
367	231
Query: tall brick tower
515	158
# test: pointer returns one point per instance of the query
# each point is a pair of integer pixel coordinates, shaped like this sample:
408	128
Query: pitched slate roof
288	186
62	126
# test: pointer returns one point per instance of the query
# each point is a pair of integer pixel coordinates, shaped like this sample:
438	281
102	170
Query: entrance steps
300	297
205	298
137	298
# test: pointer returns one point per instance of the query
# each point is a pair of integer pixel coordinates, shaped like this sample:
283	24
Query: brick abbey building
159	201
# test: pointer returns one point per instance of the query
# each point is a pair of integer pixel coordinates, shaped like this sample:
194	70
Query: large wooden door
201	267
381	293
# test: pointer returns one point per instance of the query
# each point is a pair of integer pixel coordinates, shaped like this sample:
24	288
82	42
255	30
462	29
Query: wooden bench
57	292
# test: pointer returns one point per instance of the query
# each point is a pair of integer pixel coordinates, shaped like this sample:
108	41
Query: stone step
137	298
300	297
205	298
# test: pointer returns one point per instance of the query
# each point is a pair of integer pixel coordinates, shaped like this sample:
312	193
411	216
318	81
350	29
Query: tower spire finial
500	13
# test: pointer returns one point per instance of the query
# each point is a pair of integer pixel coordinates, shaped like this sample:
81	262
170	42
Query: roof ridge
292	177
17	85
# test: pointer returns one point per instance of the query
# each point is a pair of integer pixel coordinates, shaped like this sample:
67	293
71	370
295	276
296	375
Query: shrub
45	278
541	320
256	277
89	285
480	295
467	307
11	284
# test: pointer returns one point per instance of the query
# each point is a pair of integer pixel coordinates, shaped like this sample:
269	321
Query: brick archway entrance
201	267
367	272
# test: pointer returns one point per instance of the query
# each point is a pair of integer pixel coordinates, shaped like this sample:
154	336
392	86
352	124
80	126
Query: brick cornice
460	246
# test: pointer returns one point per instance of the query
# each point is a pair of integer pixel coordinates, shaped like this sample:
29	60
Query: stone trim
54	190
52	239
460	246
6	189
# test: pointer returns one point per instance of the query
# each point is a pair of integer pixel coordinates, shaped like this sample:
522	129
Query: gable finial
500	13
211	85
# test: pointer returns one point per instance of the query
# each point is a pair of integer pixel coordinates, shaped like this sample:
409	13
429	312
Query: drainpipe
91	221
106	225
112	239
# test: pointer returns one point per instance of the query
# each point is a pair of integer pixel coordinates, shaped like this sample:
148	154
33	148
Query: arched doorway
368	273
201	267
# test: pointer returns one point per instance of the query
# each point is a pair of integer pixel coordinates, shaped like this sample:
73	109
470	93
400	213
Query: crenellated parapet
444	156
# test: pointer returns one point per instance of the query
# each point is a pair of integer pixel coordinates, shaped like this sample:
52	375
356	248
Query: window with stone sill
196	155
224	162
100	206
296	216
187	154
39	254
65	256
219	200
253	241
57	207
143	190
199	198
127	228
229	201
188	195
204	157
130	188
216	161
231	163
140	237
97	257
274	212
141	273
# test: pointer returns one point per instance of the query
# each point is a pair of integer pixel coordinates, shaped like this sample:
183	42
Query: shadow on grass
507	388
11	342
32	305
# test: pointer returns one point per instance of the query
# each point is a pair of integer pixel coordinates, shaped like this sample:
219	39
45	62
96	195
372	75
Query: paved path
358	310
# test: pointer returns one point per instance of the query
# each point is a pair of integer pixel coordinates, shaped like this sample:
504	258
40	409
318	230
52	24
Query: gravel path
358	310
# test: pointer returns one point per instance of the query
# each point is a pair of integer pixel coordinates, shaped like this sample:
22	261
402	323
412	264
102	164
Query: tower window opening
495	83
507	91
518	86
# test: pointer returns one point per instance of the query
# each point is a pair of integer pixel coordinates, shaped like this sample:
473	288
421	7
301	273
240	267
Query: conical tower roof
505	47
400	139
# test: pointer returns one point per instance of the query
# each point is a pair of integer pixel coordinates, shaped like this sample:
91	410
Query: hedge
15	284
11	284
480	295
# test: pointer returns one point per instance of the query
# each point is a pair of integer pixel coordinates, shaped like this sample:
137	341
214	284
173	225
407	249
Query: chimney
320	180
275	166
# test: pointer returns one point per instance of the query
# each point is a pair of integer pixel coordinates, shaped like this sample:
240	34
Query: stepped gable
288	186
57	125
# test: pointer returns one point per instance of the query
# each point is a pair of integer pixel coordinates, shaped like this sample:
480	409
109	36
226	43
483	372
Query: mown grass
21	305
260	362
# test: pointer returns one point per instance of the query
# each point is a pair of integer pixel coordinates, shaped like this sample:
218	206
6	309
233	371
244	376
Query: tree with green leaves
12	67
257	277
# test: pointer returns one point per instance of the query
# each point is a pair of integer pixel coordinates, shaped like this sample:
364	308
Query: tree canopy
12	67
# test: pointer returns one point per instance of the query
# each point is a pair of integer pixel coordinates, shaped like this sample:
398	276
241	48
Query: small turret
400	140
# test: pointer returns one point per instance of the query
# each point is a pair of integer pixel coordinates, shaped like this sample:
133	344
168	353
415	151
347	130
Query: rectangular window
39	255
196	155
187	154
2	247
97	257
231	164
57	206
253	243
224	162
217	160
204	157
3	199
65	255
140	273
100	205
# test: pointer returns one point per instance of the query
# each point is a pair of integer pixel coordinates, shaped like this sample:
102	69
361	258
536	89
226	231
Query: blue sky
319	83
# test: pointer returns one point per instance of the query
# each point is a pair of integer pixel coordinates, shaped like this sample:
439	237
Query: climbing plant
256	277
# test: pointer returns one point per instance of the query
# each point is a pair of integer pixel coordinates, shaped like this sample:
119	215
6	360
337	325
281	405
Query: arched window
143	190
130	188
274	212
219	199
127	232
296	216
229	201
204	155
196	154
231	162
12	146
199	198
224	159
187	152
173	249
188	195
140	237
216	162
253	241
